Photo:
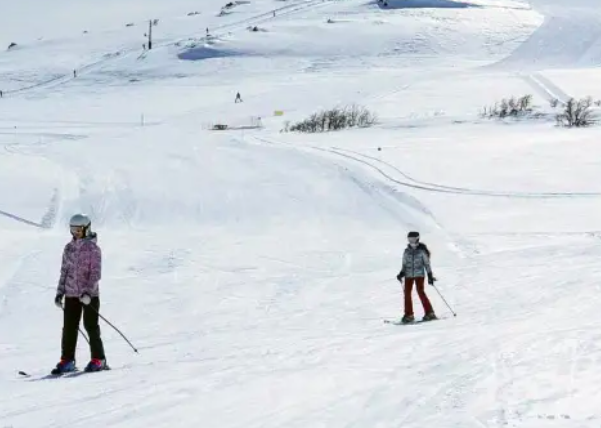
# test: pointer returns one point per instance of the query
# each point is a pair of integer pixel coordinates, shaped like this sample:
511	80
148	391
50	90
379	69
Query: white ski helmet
81	220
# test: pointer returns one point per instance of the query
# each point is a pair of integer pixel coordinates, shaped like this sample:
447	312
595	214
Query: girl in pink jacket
78	286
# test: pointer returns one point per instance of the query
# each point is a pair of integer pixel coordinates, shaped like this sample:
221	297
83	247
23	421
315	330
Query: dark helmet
413	235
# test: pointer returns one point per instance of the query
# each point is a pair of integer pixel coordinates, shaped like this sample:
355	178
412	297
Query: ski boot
64	366
96	365
431	316
408	319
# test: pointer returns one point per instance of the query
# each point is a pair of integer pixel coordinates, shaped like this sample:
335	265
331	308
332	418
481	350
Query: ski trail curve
373	188
410	182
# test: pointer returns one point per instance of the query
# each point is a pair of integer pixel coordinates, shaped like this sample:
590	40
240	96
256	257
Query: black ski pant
72	316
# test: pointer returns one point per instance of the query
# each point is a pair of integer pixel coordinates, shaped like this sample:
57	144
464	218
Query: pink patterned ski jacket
81	268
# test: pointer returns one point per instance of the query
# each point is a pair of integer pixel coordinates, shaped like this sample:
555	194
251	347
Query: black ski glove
431	279
400	276
58	300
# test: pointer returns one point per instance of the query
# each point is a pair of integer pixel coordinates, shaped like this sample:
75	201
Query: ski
396	322
82	372
75	373
25	374
32	377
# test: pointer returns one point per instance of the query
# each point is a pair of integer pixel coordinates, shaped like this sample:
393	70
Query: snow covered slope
253	268
569	37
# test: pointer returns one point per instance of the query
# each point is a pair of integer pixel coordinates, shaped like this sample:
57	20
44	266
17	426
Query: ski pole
79	328
116	329
444	300
84	335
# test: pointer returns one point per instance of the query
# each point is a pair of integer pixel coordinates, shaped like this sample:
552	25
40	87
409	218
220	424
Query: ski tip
22	373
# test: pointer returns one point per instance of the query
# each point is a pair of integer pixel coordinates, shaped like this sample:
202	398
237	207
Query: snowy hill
253	268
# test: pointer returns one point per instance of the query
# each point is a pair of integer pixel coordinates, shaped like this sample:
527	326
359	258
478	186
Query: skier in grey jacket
416	265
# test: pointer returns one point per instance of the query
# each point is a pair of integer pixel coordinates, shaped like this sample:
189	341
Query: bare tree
576	113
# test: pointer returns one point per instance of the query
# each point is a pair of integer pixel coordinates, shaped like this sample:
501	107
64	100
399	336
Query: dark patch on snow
423	4
200	53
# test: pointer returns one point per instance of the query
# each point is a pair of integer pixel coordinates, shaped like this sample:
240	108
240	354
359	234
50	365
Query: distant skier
416	264
78	284
238	98
74	74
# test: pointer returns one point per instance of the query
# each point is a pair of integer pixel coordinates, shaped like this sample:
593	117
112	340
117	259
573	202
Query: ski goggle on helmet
413	237
80	222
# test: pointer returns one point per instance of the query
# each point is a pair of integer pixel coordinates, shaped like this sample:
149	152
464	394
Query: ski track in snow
365	183
546	88
369	161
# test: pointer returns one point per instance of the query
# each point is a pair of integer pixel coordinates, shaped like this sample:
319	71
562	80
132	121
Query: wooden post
150	34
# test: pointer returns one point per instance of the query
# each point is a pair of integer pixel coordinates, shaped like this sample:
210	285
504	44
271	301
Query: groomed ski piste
253	268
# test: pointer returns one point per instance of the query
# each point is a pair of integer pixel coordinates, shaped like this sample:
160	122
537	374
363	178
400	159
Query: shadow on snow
423	4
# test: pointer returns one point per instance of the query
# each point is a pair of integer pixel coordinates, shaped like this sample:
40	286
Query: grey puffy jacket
416	262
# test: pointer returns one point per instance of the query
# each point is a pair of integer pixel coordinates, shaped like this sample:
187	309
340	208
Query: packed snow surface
253	268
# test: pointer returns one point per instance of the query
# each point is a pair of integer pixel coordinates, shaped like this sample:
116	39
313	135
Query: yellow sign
278	113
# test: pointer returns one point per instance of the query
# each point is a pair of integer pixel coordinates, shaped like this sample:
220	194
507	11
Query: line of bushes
335	119
572	113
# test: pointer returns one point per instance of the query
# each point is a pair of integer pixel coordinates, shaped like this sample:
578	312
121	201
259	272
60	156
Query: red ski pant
419	281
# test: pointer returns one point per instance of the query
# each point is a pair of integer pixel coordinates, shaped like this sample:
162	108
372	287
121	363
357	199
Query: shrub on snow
570	114
509	107
576	114
335	119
